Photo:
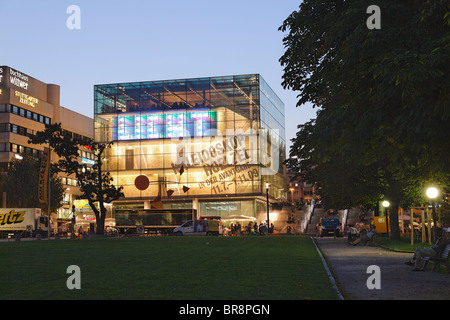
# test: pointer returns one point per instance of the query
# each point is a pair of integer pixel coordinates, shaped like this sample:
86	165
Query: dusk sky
137	40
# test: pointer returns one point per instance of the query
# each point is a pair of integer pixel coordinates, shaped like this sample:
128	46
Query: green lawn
404	244
169	268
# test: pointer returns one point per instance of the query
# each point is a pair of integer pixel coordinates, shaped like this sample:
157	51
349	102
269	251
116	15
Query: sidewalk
349	265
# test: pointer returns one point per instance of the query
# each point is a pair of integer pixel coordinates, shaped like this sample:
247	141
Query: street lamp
267	204
432	194
292	195
386	205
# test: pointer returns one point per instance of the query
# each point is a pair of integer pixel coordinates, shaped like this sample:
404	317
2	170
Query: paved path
349	267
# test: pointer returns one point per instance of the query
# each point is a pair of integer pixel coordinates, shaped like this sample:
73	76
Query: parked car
330	226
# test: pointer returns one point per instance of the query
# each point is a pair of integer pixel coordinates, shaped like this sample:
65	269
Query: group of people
235	229
417	260
365	237
251	229
291	218
360	230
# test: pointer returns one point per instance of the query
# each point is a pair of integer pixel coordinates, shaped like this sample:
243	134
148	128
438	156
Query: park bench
370	241
442	257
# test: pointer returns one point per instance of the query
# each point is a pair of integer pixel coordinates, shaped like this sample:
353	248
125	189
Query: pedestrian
238	229
352	234
225	231
249	228
365	237
421	252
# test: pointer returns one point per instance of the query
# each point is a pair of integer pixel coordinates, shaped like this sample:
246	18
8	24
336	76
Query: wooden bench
370	241
442	257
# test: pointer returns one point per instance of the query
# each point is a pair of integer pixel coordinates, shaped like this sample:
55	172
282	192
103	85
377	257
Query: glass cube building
210	143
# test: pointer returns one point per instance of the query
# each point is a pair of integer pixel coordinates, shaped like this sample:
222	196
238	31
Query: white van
198	228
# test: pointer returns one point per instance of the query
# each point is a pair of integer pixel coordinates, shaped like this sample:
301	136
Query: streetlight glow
385	203
432	192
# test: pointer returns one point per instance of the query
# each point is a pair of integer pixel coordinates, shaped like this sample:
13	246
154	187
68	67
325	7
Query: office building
26	106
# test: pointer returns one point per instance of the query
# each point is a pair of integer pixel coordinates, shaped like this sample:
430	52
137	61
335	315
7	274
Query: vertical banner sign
43	176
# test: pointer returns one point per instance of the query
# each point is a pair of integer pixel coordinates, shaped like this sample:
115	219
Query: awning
238	217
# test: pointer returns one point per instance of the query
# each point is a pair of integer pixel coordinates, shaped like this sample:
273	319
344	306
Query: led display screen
164	125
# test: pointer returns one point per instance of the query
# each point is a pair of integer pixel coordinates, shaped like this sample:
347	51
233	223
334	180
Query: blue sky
137	40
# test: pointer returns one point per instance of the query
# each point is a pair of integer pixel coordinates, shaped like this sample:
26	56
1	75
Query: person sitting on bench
420	252
366	237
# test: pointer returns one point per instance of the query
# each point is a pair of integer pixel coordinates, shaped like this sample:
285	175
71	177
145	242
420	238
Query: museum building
215	144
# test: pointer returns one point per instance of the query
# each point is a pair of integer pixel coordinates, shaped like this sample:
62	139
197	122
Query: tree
21	183
445	211
95	184
383	97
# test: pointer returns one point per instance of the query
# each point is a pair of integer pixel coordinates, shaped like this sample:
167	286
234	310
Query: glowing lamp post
292	195
386	205
432	194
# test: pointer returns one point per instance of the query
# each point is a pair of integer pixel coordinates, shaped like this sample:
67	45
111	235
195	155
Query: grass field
404	244
167	268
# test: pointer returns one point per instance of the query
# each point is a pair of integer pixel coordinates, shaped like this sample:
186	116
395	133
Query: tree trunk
101	221
393	221
99	217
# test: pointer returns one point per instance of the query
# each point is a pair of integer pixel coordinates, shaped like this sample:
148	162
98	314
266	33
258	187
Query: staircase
280	224
353	216
315	220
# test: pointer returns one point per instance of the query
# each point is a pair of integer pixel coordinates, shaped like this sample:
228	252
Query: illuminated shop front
210	144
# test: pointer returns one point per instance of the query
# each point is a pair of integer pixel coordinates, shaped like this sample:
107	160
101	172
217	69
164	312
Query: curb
394	250
330	276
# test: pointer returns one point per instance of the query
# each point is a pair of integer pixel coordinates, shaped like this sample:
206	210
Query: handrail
307	219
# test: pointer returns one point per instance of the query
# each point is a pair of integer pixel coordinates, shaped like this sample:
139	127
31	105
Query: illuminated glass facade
213	143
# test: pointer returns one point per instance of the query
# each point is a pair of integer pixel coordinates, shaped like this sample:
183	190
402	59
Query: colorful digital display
163	125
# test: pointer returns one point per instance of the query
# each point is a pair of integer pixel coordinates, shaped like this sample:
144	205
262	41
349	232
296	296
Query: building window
25	113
